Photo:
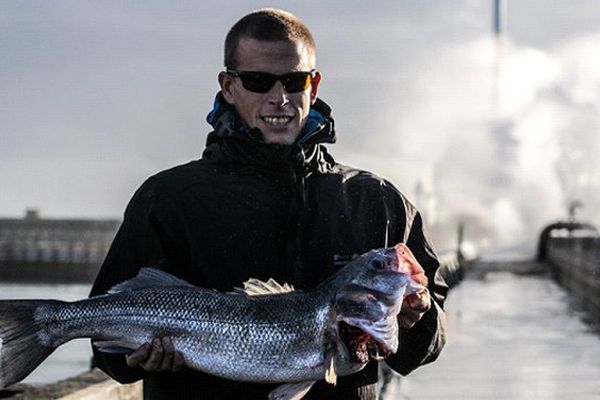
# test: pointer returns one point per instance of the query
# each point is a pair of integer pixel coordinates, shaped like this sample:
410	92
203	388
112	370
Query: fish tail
22	346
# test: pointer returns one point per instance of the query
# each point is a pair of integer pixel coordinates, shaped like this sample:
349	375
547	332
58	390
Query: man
266	200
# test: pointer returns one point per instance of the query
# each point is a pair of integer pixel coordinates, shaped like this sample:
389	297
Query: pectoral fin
291	391
114	347
330	373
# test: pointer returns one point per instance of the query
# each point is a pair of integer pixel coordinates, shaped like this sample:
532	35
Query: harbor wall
575	263
48	272
36	249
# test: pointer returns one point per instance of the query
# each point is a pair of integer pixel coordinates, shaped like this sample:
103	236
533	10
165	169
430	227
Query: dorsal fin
256	287
149	278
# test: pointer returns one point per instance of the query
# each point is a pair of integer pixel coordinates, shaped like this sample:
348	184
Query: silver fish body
261	339
268	337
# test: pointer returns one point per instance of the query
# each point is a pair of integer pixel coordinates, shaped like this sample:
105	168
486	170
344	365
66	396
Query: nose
278	95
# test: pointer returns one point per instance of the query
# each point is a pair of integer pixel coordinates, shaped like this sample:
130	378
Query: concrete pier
91	385
511	335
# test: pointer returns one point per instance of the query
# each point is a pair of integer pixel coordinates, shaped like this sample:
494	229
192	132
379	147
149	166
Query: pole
499	12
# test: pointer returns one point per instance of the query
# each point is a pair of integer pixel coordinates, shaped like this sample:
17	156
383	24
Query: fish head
379	286
368	305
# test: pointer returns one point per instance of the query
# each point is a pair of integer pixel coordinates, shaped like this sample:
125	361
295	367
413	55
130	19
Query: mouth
276	120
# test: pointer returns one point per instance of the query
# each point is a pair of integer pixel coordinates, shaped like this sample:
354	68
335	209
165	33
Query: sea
69	359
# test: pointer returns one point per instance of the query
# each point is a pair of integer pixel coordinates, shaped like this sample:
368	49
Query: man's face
279	115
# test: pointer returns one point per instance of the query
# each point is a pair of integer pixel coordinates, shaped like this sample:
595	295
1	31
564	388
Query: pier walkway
511	335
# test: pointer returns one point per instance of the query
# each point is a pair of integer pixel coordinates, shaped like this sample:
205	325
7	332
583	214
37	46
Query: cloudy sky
95	96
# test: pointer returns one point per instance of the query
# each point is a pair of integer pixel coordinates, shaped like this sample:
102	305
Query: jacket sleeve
422	343
137	244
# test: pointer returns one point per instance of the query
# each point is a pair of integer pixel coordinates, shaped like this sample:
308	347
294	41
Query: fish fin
113	347
330	349
330	373
21	349
291	391
148	278
256	287
384	331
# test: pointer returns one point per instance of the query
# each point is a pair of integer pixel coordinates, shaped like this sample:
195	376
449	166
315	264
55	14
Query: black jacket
248	209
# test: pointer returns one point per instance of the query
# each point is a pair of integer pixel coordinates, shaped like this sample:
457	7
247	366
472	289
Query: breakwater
575	264
36	249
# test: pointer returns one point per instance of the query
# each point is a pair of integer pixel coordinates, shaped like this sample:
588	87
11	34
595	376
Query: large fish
263	333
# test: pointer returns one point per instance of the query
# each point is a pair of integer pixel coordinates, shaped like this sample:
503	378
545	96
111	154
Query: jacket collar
233	141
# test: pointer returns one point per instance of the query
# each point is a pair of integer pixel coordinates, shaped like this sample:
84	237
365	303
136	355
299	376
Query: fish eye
375	263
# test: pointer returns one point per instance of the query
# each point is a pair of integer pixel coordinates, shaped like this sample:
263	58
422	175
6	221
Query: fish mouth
361	346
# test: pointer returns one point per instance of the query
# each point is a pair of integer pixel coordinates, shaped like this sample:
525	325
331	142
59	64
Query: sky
96	96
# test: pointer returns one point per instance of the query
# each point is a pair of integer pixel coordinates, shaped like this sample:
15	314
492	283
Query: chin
280	138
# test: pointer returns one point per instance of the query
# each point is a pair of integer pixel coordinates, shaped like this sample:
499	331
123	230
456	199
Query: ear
226	82
314	88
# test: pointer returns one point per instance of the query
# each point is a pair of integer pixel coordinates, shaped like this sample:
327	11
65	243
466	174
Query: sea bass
265	332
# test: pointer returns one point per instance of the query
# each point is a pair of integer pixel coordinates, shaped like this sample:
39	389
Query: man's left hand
413	308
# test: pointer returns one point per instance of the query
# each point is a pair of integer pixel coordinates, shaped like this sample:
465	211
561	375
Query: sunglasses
262	82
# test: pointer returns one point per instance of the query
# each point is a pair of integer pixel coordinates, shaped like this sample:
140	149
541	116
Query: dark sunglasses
262	82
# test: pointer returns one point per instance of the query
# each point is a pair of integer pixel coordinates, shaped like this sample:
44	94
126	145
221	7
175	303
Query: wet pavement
509	337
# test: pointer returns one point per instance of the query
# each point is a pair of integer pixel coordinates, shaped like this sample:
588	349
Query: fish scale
261	328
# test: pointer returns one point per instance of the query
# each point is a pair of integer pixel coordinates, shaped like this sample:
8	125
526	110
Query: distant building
33	244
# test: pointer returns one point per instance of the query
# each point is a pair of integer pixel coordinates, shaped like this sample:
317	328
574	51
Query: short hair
268	24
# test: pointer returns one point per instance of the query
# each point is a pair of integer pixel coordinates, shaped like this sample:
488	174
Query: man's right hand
160	355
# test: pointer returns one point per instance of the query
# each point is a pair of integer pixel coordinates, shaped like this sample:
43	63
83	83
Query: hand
413	308
158	356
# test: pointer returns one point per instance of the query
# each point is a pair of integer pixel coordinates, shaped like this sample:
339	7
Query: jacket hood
233	141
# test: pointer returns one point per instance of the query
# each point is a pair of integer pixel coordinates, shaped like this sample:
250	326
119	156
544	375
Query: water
509	337
69	359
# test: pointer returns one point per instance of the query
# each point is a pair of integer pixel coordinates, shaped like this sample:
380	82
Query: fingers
409	318
413	308
134	359
420	301
156	354
160	355
178	361
167	357
172	360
